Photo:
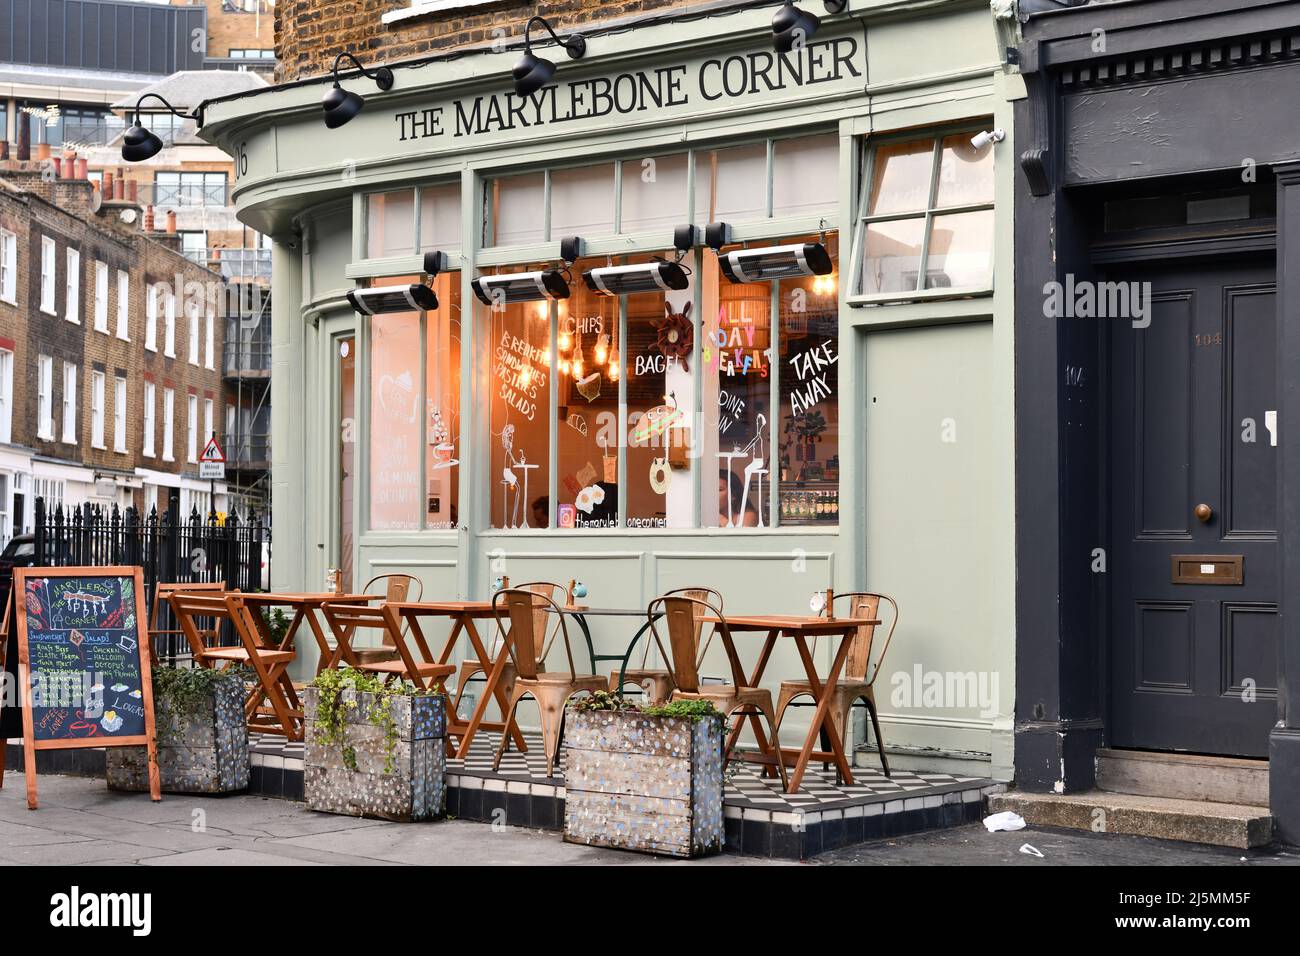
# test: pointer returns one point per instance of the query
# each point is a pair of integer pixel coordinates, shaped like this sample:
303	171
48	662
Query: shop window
929	217
654	192
661	377
731	183
390	224
587	347
517	210
519	412
582	201
440	218
805	175
414	447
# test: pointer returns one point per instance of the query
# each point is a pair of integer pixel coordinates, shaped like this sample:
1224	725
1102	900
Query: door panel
1194	664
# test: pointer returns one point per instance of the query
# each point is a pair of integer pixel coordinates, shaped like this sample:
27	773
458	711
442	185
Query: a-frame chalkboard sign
83	663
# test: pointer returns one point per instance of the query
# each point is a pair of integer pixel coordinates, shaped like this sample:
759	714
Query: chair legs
870	700
840	710
551	699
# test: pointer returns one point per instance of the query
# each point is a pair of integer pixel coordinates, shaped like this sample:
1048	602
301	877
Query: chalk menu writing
83	636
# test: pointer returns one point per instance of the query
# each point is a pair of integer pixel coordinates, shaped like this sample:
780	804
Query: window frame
45	397
68	435
149	421
101	296
49	276
152	296
123	330
72	286
191	428
98	398
8	267
6	395
869	146
169	425
120	399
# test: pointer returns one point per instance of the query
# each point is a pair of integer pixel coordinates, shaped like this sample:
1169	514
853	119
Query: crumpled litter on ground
1006	820
1028	850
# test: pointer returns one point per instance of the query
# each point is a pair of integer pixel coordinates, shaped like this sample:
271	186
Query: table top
485	608
314	599
792	623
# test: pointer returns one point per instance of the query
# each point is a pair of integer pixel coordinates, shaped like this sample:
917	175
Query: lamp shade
340	106
791	25
531	73
139	144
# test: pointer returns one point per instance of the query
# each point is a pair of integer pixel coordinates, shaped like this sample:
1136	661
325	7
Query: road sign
212	463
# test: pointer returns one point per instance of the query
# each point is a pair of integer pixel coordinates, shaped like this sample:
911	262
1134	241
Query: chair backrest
857	666
543	632
397	587
528	609
346	619
682	616
713	600
190	605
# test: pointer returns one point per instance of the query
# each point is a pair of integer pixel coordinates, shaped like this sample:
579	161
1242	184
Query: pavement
81	822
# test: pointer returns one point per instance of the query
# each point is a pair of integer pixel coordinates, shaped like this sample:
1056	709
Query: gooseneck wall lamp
341	105
533	72
793	27
138	143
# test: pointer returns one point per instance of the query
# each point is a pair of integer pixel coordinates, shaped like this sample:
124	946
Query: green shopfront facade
769	439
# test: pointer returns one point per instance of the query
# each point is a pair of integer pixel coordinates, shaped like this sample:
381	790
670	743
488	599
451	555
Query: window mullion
546	205
621	448
773	403
553	453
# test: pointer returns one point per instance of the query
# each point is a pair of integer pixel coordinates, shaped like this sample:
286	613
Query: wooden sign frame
30	743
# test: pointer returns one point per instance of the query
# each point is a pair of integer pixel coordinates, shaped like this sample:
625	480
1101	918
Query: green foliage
277	622
187	689
692	710
332	709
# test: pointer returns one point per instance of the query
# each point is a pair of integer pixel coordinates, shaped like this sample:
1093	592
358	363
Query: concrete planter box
652	784
205	751
362	775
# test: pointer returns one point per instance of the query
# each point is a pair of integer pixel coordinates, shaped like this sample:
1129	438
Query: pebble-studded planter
202	751
652	784
364	773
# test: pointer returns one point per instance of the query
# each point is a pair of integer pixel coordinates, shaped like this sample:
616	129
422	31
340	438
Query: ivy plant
333	706
188	689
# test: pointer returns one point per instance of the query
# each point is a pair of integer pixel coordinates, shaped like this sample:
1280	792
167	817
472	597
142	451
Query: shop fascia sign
834	65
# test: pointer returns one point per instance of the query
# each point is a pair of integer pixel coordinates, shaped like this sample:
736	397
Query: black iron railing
169	548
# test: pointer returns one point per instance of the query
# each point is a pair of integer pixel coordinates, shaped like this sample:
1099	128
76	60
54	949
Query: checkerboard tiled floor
746	788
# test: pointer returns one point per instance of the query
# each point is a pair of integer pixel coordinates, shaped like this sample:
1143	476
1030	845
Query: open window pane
586	348
660	402
805	175
654	193
900	180
965	173
808	438
442	405
893	255
518	209
440	218
582	201
519	414
737	398
961	251
390	224
731	184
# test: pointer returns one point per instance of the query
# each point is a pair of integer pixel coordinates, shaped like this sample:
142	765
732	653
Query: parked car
20	552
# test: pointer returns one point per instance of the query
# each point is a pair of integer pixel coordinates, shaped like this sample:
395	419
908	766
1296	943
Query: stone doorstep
1164	818
1184	776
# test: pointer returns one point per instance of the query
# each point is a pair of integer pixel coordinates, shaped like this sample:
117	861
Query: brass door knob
1203	513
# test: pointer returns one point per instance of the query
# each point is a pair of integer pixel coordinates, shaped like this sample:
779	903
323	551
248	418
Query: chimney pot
171	221
119	186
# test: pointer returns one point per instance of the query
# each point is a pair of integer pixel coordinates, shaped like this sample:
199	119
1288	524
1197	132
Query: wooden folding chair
161	594
282	712
346	619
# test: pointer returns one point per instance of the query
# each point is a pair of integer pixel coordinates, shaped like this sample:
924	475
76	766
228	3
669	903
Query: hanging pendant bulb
602	349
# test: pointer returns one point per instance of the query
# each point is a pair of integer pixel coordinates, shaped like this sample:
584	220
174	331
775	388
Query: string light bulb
602	349
525	376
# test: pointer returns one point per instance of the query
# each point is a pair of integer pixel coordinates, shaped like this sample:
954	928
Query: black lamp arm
171	109
374	74
567	42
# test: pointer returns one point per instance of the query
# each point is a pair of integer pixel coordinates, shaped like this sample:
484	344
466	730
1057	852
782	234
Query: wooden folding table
800	629
464	614
305	607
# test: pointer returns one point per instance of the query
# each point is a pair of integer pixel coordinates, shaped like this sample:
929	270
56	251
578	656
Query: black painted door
1193	665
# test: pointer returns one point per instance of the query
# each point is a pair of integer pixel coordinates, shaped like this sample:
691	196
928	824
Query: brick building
110	342
310	33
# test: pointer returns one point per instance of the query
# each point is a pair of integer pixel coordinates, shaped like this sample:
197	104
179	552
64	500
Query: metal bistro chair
473	670
397	587
657	683
682	615
528	647
857	682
